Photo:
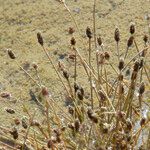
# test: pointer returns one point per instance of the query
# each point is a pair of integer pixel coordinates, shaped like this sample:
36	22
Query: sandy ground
20	20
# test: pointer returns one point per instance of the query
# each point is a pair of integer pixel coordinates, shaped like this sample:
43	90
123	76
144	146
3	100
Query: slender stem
118	53
28	74
126	53
90	78
94	23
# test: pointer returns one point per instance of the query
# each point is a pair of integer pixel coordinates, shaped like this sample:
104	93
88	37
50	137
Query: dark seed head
40	39
117	35
73	41
35	66
66	74
14	133
71	110
145	39
76	87
11	54
80	95
132	28
136	66
24	123
71	30
50	144
130	41
99	40
107	55
143	121
121	64
9	110
142	88
88	33
44	91
77	125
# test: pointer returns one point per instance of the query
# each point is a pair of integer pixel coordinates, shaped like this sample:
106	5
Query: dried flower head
50	144
14	133
11	54
73	41
142	88
132	28
117	35
121	64
9	110
107	55
65	74
71	110
143	121
80	95
99	41
71	30
130	41
40	39
88	33
35	66
76	87
145	39
77	125
136	66
44	91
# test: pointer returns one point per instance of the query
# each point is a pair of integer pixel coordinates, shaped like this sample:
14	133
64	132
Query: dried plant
113	116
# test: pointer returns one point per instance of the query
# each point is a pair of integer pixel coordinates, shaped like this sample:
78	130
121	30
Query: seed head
65	74
73	41
101	58
11	54
24	123
71	30
136	66
130	41
44	91
142	88
107	55
143	121
102	95
99	40
14	133
40	39
121	64
50	144
117	35
16	121
9	110
145	39
132	28
35	66
71	110
80	95
76	87
77	125
88	33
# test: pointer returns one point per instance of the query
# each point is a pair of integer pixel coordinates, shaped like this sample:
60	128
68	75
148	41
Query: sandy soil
20	20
